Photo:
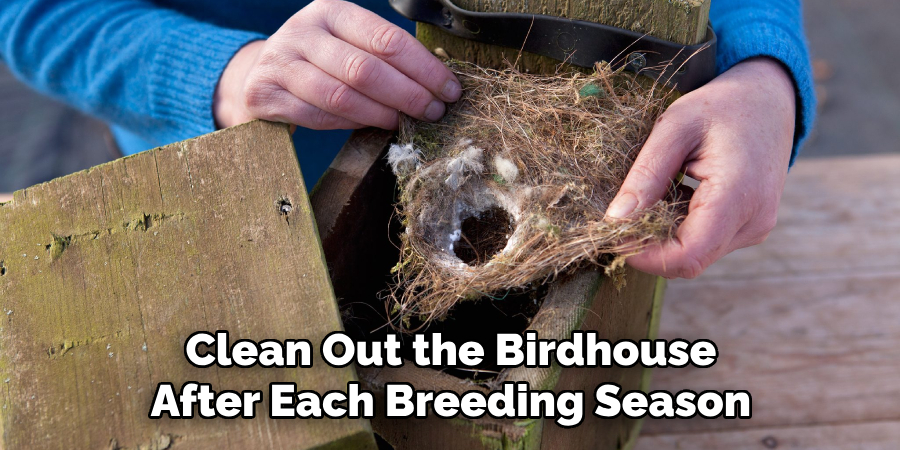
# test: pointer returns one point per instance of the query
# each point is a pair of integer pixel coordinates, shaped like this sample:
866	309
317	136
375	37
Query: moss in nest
591	90
548	153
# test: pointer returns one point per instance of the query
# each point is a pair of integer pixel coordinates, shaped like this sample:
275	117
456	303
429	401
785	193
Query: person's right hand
334	65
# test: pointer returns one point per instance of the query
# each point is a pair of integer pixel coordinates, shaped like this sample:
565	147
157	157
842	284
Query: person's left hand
4	197
735	136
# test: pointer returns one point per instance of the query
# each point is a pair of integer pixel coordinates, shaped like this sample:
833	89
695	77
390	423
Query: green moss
591	90
553	230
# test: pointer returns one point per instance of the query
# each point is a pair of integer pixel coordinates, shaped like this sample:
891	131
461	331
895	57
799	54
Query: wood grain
616	315
839	215
807	321
106	272
810	351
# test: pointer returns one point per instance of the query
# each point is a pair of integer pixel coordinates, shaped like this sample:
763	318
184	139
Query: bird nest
511	187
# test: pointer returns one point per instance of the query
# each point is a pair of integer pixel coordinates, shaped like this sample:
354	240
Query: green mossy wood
106	272
586	300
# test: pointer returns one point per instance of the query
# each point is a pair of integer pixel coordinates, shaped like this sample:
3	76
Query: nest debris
511	187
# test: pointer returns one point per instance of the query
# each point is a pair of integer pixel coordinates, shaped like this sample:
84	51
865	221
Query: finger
392	44
374	78
712	222
289	109
673	137
309	83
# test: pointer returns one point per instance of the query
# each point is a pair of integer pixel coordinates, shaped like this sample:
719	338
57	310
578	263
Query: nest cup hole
483	236
372	247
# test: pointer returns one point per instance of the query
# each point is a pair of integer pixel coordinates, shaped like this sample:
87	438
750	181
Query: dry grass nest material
512	185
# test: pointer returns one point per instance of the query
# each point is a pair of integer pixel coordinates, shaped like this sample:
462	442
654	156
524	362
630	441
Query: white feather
404	159
506	168
468	161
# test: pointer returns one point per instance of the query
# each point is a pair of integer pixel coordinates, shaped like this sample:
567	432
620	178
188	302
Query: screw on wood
284	206
637	60
448	17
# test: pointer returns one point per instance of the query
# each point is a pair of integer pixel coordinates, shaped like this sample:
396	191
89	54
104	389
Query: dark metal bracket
580	43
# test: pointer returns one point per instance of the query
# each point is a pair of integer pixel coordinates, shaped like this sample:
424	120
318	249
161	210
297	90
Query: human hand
334	65
735	136
5	197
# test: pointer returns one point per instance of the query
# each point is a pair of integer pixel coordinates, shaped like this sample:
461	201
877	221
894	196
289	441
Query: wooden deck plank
860	190
804	251
838	215
807	322
809	351
857	436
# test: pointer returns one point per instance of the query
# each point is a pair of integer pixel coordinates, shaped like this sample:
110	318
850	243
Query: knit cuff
758	35
185	71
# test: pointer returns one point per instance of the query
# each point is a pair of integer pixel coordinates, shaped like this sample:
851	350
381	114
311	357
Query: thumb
657	164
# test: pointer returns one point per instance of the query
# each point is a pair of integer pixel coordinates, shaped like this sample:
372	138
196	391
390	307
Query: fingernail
435	110
452	90
622	206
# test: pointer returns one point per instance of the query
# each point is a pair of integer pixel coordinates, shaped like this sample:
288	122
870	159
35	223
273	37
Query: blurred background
852	44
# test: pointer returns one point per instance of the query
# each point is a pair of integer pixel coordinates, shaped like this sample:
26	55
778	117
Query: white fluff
454	238
468	161
404	159
506	168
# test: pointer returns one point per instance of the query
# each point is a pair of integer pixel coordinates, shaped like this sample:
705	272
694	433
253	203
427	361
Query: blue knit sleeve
132	63
772	28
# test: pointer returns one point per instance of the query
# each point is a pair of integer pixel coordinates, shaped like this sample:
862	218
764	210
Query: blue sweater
149	68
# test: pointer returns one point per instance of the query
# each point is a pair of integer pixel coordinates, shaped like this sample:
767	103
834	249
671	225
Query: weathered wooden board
808	325
846	190
840	215
630	313
106	272
814	250
813	350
